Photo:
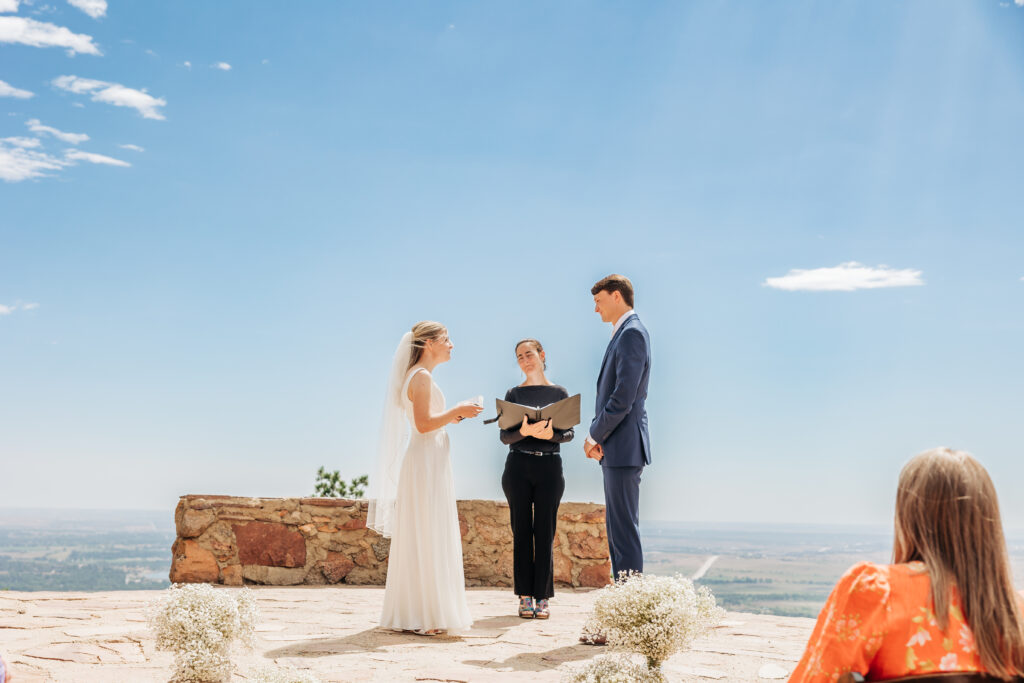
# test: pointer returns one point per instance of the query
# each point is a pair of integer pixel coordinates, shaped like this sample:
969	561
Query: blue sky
213	308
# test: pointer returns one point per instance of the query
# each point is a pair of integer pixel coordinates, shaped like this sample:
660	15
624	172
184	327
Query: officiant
533	482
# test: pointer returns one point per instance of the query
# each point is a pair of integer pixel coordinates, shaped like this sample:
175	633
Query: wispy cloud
846	277
25	143
18	163
8	5
36	126
187	65
115	94
134	148
79	155
1019	3
24	31
94	8
8	90
223	66
7	310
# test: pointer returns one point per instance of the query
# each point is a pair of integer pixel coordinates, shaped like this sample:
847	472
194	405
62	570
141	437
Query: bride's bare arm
426	421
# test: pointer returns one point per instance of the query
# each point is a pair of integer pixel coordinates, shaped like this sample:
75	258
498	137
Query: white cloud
846	277
115	94
25	31
79	155
22	142
74	138
187	65
1019	3
18	163
94	8
134	148
8	90
265	61
8	5
223	66
7	310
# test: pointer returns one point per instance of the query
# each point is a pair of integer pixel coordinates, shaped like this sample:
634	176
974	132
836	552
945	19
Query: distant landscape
769	569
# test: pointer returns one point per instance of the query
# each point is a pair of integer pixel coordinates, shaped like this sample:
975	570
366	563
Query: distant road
704	568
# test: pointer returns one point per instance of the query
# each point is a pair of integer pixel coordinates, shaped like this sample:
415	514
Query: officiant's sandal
526	608
541	611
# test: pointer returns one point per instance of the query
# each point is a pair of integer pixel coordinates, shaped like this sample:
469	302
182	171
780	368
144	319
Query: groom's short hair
615	283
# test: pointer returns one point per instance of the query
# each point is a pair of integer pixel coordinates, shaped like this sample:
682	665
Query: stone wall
289	541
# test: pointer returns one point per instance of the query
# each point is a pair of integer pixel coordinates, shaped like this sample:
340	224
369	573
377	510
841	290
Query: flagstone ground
331	630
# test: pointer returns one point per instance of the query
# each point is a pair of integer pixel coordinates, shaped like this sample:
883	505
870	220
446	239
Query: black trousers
533	485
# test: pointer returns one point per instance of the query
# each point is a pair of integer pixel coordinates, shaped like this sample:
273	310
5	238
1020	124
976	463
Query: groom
618	437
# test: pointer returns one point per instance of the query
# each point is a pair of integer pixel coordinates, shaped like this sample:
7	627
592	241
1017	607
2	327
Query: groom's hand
594	452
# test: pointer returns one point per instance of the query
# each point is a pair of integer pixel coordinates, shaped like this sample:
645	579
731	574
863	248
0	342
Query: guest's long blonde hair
947	517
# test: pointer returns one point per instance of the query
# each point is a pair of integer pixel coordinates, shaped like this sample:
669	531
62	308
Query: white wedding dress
426	584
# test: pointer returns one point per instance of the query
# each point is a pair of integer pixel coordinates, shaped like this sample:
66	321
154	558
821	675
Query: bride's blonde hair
422	332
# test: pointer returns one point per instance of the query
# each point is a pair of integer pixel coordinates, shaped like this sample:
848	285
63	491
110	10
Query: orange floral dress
879	621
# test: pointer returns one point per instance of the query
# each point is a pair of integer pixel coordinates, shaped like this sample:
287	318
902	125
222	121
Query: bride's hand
467	409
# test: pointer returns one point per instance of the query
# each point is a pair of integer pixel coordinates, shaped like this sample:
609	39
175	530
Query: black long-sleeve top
537	396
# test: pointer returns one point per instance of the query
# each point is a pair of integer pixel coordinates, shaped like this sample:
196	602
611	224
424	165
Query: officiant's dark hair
536	345
422	332
615	283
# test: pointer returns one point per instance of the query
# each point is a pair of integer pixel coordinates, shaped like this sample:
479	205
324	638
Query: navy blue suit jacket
620	417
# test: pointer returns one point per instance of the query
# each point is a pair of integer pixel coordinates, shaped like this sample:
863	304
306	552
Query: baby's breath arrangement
653	616
615	669
198	623
282	674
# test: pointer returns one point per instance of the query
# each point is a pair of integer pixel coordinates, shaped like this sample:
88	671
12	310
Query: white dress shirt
615	328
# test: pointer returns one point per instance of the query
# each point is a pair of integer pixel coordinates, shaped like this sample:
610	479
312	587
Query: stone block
231	575
584	545
382	548
563	568
270	545
336	567
274	576
192	563
596	575
493	532
194	522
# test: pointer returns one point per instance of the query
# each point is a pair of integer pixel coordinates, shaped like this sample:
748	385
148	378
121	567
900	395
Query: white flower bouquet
615	669
282	674
199	623
652	616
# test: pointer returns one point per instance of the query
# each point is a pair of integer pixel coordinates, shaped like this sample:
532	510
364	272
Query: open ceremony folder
563	414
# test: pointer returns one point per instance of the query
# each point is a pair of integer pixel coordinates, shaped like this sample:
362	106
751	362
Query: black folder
563	414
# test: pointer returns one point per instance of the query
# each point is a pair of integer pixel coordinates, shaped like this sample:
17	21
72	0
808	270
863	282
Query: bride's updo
422	332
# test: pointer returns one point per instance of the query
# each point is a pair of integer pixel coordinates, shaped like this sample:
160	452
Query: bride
412	500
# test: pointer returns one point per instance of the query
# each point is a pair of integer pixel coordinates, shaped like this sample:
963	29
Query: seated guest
533	483
948	601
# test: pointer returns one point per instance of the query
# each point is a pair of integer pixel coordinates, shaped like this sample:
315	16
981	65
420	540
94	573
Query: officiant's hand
546	430
527	429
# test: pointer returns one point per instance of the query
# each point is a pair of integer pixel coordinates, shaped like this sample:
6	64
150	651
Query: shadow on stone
362	642
538	661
